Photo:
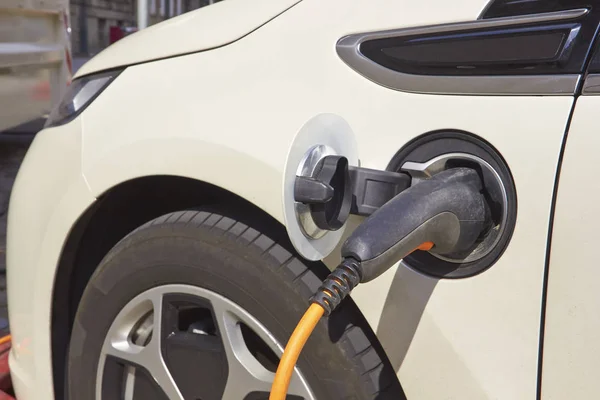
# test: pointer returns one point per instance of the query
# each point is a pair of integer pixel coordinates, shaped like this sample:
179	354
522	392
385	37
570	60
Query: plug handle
447	210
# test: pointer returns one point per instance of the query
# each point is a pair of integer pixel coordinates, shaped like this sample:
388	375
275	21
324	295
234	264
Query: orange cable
5	339
292	351
307	324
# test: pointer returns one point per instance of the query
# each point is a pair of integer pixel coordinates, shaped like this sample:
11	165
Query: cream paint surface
469	337
571	345
229	116
40	218
197	30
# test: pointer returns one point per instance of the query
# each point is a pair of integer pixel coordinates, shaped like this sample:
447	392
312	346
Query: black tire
341	360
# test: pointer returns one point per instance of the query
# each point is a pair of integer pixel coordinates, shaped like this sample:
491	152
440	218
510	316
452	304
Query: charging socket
438	151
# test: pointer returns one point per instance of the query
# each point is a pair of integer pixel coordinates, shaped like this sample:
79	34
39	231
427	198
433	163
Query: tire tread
367	358
354	342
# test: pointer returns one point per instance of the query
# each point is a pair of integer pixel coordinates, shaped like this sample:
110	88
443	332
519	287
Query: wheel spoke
138	338
246	374
148	356
129	383
296	387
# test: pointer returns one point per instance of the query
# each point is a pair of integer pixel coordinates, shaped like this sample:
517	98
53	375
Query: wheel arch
120	210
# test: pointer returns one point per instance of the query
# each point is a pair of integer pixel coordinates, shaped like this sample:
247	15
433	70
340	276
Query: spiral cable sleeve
338	285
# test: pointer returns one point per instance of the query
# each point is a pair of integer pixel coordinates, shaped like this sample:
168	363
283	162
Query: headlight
80	93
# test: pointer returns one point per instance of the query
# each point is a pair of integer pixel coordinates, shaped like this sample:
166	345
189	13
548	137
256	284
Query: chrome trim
570	41
485	9
490	3
591	85
348	49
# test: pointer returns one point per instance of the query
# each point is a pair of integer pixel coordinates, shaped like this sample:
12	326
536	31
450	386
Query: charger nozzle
447	210
338	285
445	214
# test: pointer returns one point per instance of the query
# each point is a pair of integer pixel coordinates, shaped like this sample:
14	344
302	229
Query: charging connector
448	210
445	214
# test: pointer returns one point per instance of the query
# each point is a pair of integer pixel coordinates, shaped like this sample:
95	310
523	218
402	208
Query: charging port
432	153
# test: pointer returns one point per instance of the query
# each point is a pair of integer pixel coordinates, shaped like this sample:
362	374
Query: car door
572	317
493	80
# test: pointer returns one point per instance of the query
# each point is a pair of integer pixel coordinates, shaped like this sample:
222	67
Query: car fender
202	29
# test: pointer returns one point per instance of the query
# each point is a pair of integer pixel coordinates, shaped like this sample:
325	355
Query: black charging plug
446	214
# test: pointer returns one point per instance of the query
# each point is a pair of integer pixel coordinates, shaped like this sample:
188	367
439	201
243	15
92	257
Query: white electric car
169	225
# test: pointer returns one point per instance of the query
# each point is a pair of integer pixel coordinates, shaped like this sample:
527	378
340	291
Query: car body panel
198	30
468	337
229	116
40	219
571	347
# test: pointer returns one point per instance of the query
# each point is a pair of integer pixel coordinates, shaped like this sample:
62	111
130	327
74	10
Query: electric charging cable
445	214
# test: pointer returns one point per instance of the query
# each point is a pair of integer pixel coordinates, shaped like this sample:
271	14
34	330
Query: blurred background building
96	24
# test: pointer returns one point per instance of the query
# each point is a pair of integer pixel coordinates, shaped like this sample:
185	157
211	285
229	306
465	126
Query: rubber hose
292	351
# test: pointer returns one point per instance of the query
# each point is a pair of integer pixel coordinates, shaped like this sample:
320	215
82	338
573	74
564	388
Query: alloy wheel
206	347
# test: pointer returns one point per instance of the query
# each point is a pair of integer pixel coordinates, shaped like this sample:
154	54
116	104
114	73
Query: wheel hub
183	342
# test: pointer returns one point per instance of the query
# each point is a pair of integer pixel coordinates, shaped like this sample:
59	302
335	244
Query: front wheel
198	306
